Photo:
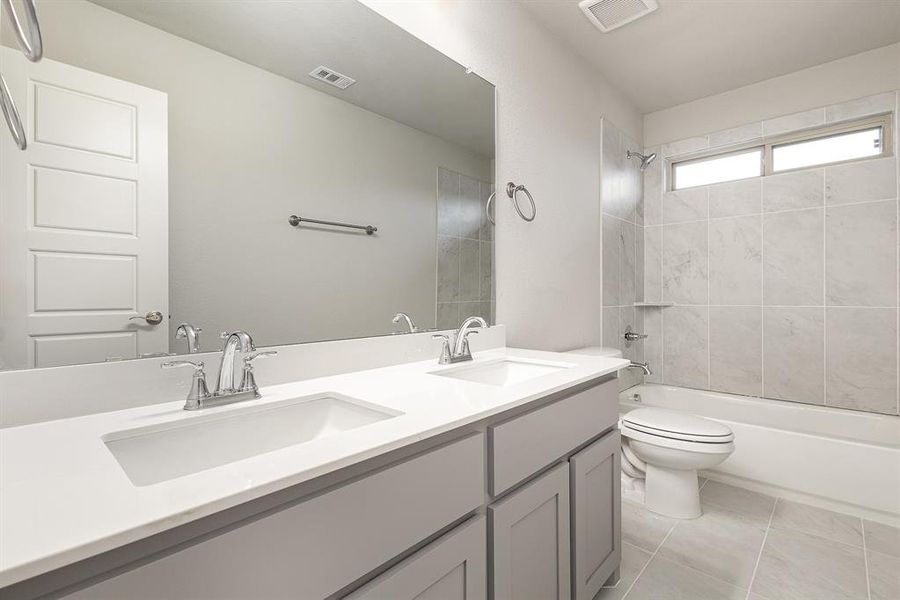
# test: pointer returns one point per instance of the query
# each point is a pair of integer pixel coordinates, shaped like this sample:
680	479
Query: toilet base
672	492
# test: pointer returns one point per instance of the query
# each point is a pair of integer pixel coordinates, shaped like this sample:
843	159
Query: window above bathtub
858	140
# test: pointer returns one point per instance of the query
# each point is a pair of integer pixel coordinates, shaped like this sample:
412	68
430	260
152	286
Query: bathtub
842	460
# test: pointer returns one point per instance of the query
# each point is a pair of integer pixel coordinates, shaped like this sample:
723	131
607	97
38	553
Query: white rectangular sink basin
161	452
506	371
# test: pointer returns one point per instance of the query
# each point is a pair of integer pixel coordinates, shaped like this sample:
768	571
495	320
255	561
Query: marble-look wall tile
469	270
685	146
861	254
797	189
628	263
474	309
684	263
736	135
691	204
735	260
653	188
794	353
612	248
860	107
448	269
487	230
470	208
486	272
793	255
800	120
448	202
639	264
447	315
610	318
735	350
653	345
627	321
861	181
653	263
620	181
861	358
735	198
686	346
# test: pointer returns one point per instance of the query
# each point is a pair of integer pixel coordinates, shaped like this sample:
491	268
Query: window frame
767	146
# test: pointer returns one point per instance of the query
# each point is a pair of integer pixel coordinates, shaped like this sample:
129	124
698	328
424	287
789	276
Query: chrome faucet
199	396
188	332
233	341
460	346
645	367
402	316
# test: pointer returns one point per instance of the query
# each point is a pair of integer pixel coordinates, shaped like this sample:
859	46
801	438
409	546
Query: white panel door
83	218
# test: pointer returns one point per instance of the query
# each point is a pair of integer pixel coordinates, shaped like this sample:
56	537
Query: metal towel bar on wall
31	43
295	221
33	48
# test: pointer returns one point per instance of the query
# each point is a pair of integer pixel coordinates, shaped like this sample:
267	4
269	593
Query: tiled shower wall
784	286
623	240
465	250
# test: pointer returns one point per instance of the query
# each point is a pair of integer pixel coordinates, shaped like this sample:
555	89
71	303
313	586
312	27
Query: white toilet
662	450
669	447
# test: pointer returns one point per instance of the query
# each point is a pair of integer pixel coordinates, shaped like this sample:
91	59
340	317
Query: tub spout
645	367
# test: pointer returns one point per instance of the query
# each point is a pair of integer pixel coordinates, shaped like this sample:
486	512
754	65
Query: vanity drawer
522	446
315	548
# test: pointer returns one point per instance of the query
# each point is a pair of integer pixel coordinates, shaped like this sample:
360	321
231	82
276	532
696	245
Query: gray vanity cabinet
530	533
452	568
596	519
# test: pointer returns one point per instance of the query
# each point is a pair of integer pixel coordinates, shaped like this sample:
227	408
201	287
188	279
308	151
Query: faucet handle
445	348
174	364
267	354
199	390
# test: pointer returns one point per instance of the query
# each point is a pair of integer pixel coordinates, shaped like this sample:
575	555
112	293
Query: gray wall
247	149
785	286
465	250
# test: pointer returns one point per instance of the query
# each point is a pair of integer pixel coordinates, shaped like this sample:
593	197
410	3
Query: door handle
154	317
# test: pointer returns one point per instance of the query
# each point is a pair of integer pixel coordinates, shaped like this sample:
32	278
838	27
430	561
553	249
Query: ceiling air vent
334	78
607	15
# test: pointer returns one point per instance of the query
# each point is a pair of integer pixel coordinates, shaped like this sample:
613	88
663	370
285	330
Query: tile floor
750	546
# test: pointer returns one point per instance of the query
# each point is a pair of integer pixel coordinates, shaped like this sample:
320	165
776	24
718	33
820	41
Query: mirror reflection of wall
170	148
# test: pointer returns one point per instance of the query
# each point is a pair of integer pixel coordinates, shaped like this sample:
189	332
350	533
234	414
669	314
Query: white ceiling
398	76
689	49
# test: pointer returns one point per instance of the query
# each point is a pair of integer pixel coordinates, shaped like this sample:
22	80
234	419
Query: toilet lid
677	425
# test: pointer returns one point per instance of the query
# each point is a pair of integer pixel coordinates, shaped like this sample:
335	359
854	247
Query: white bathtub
839	459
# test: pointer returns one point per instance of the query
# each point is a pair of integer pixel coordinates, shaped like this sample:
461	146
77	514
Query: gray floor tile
751	505
882	538
884	576
720	543
798	566
633	560
642	528
818	521
667	580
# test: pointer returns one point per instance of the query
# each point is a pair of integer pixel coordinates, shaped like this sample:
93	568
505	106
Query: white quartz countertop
64	497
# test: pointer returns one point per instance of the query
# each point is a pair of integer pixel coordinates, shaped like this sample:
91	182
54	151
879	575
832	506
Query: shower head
645	160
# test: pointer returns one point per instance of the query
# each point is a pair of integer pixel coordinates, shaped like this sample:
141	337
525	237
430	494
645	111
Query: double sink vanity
496	477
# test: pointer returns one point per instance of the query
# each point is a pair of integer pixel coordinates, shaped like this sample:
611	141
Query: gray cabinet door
452	568
530	540
596	519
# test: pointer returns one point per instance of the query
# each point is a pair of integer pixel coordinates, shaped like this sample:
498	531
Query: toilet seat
675	426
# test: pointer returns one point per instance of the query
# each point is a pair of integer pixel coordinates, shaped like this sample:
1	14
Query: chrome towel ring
512	190
12	115
32	44
487	208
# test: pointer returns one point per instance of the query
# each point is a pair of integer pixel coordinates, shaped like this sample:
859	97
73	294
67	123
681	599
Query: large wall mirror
171	142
